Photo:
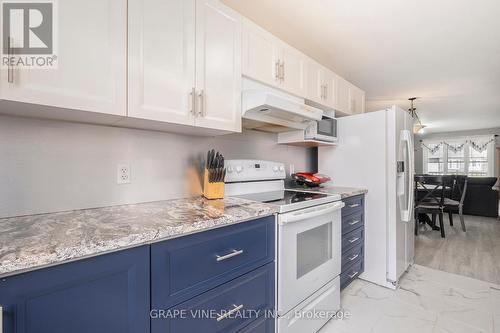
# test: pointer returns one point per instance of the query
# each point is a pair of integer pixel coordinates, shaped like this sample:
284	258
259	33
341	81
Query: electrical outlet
123	174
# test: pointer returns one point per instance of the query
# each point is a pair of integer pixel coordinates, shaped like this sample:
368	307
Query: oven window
327	126
314	248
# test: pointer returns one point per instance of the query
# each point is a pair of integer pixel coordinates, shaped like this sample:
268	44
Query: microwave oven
322	130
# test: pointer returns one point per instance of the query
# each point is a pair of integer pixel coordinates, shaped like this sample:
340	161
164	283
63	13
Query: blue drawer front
352	239
353	222
261	325
352	255
105	294
186	267
352	273
253	291
353	204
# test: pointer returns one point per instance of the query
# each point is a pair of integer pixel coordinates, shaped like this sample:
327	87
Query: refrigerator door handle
406	215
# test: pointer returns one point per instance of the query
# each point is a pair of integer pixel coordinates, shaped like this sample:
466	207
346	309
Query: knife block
212	190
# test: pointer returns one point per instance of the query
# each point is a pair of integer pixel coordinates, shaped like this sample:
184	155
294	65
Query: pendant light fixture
418	127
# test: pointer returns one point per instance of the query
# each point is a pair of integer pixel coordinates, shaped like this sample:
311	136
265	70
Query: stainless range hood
271	110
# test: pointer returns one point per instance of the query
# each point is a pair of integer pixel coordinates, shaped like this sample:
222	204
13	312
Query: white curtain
450	148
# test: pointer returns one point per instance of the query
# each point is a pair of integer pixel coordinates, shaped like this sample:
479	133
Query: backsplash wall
51	166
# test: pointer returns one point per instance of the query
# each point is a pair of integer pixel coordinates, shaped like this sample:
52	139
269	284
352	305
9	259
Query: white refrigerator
375	151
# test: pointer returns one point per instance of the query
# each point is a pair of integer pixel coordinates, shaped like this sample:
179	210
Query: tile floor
428	301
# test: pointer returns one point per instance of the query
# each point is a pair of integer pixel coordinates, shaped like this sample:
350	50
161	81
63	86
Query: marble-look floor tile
427	301
451	326
495	300
496	323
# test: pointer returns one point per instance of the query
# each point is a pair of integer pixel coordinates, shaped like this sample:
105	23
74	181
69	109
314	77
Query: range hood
268	109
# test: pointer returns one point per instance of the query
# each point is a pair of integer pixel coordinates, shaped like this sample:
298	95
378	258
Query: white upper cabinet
162	60
321	84
356	100
343	104
185	63
269	60
92	57
293	70
218	66
315	90
261	54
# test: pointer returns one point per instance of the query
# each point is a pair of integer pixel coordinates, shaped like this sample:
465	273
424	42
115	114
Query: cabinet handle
353	274
201	103
230	312
354	222
10	69
282	66
353	205
192	101
326	91
234	253
322	92
353	257
277	70
1	319
352	240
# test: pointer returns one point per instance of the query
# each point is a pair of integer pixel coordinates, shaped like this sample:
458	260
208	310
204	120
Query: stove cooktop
289	200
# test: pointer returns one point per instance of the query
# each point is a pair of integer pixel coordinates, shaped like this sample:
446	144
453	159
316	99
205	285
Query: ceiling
447	52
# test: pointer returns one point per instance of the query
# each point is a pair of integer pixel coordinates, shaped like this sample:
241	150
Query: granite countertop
344	192
32	242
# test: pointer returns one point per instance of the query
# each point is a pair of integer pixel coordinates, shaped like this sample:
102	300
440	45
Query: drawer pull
230	255
230	312
354	222
351	276
353	205
352	240
353	257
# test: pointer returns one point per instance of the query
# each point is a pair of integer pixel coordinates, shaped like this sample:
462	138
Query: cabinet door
294	71
260	54
343	99
92	61
218	66
330	83
314	83
357	100
162	60
105	294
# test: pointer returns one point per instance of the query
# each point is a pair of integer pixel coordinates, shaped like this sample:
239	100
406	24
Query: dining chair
452	206
431	200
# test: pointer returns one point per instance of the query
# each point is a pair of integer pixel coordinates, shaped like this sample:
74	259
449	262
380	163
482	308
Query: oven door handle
310	213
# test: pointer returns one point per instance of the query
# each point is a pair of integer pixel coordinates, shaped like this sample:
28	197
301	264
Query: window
435	159
478	163
456	158
473	156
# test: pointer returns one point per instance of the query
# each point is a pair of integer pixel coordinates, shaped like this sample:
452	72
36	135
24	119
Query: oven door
309	252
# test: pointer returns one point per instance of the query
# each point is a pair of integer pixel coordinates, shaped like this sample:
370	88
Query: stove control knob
239	169
275	169
282	168
229	169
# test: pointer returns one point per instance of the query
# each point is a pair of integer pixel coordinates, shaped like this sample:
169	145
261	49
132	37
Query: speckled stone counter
344	192
32	242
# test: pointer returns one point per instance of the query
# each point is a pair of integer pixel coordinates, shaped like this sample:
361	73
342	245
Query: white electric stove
308	243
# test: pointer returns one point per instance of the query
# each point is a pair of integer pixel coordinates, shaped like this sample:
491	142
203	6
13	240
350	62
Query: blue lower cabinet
231	307
104	294
185	267
261	325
